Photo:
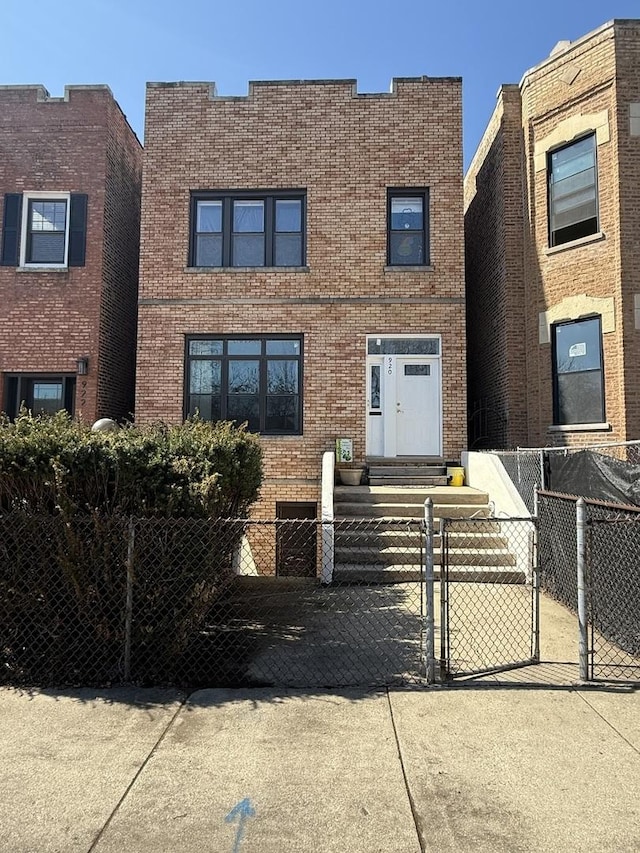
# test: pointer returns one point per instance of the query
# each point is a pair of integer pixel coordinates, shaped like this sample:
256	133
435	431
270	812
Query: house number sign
389	366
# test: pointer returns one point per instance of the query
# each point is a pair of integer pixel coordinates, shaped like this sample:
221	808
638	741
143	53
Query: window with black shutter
44	230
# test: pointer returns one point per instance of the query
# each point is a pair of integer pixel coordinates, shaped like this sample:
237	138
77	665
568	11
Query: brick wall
627	47
119	308
345	150
565	95
49	319
494	270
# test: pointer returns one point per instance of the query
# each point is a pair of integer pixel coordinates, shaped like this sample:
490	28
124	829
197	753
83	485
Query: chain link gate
489	601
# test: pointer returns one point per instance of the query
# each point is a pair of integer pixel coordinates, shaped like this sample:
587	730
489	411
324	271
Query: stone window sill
605	427
409	269
285	436
573	244
219	270
42	269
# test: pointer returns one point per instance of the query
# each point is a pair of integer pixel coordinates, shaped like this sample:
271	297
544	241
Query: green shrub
195	470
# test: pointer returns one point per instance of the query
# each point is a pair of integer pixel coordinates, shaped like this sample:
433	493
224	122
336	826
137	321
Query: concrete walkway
525	761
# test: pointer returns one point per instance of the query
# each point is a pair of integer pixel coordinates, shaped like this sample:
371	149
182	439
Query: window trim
263	357
27	198
557	423
424	193
227	197
597	230
12	407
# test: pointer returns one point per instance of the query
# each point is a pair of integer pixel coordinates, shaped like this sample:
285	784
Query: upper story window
248	229
257	380
573	194
578	377
407	227
44	230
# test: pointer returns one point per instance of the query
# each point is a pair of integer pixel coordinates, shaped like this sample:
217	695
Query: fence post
543	484
429	619
581	518
128	617
535	569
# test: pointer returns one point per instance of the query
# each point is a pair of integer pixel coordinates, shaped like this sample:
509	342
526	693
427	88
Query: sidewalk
530	763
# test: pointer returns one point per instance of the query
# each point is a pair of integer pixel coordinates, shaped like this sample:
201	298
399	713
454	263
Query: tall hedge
195	470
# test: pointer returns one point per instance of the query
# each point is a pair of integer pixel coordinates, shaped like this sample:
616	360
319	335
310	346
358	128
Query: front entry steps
406	471
388	553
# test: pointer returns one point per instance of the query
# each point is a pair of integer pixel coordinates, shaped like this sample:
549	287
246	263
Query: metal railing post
581	521
128	617
429	585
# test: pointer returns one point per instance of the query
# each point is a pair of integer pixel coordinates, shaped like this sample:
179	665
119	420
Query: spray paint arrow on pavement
241	812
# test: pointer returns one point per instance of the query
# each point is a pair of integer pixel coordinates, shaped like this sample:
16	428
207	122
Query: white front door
404	406
418	406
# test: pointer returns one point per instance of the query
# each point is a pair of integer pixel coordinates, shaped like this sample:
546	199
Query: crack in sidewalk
605	720
136	776
412	805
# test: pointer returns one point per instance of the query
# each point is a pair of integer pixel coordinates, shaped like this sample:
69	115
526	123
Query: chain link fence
526	471
528	467
611	577
613	592
195	602
489	598
557	548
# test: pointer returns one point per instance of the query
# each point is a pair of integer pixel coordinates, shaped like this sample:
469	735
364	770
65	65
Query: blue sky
126	43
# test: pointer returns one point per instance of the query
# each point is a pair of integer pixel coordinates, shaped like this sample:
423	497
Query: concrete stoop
478	552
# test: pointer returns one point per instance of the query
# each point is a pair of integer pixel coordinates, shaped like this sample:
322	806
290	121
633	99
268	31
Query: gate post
581	518
128	617
429	618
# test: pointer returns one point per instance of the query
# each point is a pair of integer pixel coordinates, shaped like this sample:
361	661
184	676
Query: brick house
302	270
70	177
552	225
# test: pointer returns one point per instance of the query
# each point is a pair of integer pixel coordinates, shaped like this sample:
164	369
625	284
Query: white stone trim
577	308
569	129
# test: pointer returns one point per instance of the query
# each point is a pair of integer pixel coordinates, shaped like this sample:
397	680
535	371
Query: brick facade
345	150
517	286
80	143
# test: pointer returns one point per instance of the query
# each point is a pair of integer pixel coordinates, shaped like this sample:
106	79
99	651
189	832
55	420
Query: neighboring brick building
70	176
302	269
552	225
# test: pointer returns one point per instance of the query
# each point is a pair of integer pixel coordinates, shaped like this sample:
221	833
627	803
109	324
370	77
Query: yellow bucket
456	476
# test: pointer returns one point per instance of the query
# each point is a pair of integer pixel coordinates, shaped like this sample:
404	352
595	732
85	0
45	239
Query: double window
252	379
578	381
248	229
573	194
46	230
43	394
408	231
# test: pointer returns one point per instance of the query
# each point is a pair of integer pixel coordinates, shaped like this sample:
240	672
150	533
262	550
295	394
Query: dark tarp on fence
594	475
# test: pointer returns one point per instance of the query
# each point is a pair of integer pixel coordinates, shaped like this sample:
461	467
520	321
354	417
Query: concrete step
407	471
412	480
391	556
404	461
352	511
369	573
409	494
366	536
